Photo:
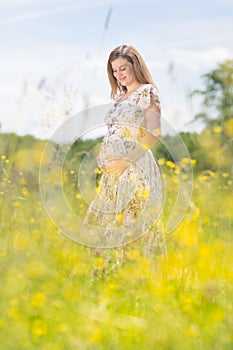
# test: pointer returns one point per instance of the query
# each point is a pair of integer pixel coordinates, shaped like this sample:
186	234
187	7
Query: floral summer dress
127	208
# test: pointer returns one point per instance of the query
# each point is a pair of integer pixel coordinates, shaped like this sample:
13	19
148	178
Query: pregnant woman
128	202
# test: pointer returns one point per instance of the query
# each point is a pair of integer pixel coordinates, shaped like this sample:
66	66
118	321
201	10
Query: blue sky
54	53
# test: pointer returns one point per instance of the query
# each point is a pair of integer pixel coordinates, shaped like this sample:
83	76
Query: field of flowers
58	295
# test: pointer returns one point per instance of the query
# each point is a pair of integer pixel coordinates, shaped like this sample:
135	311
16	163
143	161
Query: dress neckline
132	93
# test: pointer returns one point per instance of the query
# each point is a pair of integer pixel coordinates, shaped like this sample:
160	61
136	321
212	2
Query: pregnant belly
114	147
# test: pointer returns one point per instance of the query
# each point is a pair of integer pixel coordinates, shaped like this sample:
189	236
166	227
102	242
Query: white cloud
33	66
194	60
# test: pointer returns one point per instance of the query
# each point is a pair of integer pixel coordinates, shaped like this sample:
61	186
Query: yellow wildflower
2	323
96	336
99	262
161	161
112	286
98	189
16	204
132	254
97	171
170	164
203	178
217	129
62	328
38	300
193	331
24	191
39	328
120	217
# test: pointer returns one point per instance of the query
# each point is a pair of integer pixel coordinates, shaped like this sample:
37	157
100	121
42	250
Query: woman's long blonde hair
141	71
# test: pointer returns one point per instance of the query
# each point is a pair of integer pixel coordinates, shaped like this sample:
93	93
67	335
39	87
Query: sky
54	54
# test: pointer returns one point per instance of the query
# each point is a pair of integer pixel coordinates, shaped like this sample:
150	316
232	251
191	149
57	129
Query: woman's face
123	71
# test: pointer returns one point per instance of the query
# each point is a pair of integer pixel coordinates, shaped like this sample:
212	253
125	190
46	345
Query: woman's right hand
115	167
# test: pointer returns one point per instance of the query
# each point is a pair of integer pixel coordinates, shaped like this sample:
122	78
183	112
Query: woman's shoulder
147	94
149	89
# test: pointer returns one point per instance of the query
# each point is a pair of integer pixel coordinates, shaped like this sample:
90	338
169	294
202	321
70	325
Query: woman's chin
123	82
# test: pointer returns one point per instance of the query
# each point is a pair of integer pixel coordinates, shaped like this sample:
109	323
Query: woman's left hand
116	167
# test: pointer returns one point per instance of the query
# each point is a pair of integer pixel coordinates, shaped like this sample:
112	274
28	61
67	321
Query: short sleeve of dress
148	96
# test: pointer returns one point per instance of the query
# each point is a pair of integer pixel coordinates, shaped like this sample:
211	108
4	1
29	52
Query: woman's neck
132	87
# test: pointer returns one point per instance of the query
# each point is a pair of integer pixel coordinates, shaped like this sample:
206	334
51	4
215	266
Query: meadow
59	295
